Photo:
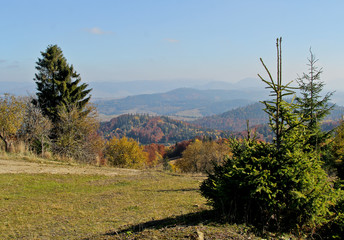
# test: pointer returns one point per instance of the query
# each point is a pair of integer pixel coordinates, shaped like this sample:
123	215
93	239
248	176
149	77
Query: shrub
201	156
124	153
279	191
36	129
76	135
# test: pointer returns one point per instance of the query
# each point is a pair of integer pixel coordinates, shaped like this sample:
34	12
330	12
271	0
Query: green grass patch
50	206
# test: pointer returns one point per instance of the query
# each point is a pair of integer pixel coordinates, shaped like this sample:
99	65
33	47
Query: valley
186	113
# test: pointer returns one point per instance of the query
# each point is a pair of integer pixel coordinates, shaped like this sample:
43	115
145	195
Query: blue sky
173	39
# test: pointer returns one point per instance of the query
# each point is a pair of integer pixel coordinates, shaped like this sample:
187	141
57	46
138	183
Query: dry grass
46	206
89	202
19	147
26	156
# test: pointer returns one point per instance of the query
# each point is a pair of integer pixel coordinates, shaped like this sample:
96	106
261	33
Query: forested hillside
235	120
148	129
161	129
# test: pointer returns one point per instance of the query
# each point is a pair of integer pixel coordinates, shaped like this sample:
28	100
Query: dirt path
20	166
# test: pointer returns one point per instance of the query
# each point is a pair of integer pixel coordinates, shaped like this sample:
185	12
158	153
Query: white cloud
2	61
98	31
171	40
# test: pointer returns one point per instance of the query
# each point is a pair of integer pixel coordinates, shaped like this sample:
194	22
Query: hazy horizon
121	89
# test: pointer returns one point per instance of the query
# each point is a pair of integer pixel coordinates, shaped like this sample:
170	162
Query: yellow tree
201	156
12	111
125	152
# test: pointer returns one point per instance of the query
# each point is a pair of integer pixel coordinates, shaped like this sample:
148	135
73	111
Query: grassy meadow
145	205
70	206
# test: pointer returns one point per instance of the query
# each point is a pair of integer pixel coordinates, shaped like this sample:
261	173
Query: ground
55	200
22	166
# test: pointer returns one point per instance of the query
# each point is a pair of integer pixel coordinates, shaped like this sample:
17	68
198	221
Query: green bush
334	229
276	190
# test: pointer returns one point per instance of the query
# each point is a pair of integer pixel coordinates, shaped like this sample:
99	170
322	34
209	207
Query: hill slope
147	129
235	120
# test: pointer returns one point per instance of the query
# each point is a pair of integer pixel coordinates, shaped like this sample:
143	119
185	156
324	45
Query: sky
215	40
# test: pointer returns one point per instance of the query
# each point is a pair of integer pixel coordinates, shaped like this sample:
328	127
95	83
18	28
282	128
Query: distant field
124	205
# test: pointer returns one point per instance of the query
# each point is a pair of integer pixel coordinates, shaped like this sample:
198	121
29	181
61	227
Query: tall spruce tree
312	106
58	84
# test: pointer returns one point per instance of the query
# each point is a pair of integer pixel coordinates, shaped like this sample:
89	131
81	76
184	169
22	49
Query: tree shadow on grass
191	219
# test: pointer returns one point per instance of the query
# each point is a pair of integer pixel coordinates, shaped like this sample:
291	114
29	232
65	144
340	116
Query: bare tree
36	128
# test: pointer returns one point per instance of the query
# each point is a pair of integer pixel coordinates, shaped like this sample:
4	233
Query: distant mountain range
183	103
130	88
121	89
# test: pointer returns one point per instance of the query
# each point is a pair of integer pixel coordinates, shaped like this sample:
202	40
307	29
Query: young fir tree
58	84
312	106
281	185
280	117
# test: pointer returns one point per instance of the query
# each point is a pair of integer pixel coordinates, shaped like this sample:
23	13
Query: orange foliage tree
155	154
